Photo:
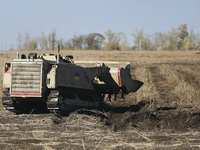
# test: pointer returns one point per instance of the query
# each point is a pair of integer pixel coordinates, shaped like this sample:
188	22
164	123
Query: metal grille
26	77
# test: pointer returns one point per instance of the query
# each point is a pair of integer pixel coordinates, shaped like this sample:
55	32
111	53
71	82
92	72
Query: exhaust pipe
58	55
17	55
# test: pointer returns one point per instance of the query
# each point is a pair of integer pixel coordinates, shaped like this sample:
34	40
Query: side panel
7	76
51	77
72	76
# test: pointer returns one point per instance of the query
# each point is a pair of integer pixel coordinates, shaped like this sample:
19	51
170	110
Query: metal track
61	100
7	101
68	100
52	100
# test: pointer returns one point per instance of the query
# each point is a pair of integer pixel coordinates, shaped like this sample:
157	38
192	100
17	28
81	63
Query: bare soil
163	114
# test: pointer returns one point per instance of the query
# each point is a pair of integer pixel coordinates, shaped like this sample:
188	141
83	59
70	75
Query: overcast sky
86	16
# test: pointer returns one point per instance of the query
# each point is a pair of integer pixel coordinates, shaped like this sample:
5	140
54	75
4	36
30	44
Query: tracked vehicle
60	84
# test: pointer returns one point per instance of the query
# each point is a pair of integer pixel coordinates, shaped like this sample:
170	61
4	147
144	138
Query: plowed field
163	114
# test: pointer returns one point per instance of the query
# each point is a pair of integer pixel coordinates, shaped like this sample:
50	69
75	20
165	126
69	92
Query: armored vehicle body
60	84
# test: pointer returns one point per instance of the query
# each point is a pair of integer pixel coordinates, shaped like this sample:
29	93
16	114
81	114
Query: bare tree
69	45
159	40
147	43
43	41
110	37
191	40
19	41
125	44
117	38
61	43
52	39
78	41
198	41
27	41
172	39
138	37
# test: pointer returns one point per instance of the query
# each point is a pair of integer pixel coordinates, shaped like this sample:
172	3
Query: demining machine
62	84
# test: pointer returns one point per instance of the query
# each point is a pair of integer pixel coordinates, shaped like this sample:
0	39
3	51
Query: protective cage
26	78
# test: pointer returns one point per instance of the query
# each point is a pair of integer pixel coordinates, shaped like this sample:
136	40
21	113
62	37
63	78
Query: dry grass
80	131
171	79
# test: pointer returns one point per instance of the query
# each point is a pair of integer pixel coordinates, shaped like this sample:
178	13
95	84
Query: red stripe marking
23	93
119	79
8	71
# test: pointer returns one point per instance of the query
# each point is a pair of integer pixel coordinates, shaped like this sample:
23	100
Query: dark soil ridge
141	117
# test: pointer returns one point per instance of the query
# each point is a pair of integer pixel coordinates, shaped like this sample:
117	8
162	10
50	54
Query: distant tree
198	41
138	37
142	40
78	41
115	46
52	39
159	40
33	44
192	40
172	39
69	45
110	39
43	41
117	39
12	47
94	41
61	43
125	44
113	38
27	41
134	47
147	43
183	33
19	41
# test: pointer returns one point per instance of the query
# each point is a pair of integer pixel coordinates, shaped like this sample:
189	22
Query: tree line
175	39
